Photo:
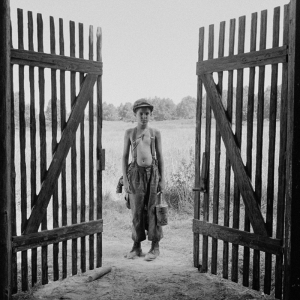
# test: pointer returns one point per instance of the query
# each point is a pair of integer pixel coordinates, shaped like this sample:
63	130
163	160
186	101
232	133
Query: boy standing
143	179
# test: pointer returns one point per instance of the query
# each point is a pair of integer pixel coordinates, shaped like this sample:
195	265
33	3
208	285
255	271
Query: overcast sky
150	47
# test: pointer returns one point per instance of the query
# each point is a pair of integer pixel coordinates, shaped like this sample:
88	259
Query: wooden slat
238	138
271	156
250	115
259	143
5	150
57	62
282	160
91	158
22	135
216	194
207	151
14	263
56	235
33	158
99	148
64	216
73	152
63	147
228	164
238	237
243	180
43	145
198	150
246	60
54	145
82	161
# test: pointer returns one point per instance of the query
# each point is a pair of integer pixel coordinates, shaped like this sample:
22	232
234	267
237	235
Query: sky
150	47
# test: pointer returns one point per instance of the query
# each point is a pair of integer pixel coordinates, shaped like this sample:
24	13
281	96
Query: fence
42	170
241	128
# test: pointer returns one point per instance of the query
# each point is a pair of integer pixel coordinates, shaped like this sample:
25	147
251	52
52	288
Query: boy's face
143	115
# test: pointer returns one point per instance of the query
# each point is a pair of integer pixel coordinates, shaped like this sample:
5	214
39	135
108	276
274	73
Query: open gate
48	164
247	125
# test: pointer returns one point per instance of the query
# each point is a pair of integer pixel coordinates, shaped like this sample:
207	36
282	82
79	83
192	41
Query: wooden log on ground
99	272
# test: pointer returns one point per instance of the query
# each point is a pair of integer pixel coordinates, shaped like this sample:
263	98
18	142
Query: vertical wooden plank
91	157
99	148
207	150
214	260
43	152
64	216
33	157
198	149
271	156
282	160
5	150
250	115
62	127
22	135
292	220
228	164
54	144
73	153
259	143
82	159
14	280
238	136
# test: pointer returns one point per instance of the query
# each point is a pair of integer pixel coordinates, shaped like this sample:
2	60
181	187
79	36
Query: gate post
292	220
5	152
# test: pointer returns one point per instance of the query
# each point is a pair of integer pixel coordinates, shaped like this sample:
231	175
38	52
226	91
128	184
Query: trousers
143	199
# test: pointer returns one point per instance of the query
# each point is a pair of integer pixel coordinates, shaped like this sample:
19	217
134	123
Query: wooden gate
246	122
50	164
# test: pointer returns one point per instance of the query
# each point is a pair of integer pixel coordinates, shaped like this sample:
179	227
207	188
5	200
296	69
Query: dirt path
170	276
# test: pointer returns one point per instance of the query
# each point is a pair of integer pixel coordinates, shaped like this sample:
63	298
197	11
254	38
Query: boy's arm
125	160
158	149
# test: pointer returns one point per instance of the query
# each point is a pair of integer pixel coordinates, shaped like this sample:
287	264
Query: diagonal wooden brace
40	207
233	150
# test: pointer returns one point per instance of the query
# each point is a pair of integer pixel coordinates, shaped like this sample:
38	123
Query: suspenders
134	144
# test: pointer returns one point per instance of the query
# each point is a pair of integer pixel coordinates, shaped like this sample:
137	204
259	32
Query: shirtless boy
143	179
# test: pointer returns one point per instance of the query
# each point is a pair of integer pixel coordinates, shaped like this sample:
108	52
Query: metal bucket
161	212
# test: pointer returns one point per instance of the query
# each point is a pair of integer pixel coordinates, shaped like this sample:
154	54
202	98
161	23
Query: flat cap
141	103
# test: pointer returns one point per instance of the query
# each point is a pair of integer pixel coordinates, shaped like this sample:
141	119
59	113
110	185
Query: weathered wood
216	192
292	208
43	145
33	157
73	152
98	274
197	199
91	157
5	150
243	180
47	237
99	147
282	160
271	156
22	138
228	164
250	116
238	237
82	161
54	145
63	171
57	62
259	141
59	155
207	155
246	60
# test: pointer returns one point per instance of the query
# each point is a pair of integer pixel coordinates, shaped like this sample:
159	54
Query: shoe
153	253
135	251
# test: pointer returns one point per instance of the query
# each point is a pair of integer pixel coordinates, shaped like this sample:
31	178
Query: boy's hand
161	186
127	186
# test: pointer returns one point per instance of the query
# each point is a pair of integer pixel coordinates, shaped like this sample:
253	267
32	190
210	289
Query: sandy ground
170	276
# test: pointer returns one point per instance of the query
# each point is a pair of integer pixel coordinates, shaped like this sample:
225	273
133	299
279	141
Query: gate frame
291	245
